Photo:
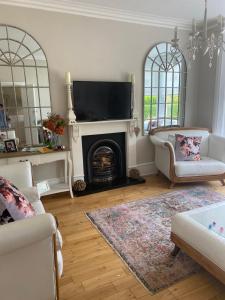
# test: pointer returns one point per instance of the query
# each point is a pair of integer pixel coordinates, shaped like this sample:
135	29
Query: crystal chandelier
202	41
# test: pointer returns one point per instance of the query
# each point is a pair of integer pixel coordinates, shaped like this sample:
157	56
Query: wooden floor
93	271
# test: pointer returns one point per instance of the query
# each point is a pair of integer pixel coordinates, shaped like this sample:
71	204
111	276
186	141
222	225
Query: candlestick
194	26
175	33
68	78
133	78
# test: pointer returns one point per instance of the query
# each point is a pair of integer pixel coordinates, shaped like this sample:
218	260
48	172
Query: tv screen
98	100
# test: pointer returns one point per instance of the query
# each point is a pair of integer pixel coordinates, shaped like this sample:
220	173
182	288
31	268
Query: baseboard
146	168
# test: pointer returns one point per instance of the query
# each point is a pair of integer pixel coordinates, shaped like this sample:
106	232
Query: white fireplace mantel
80	129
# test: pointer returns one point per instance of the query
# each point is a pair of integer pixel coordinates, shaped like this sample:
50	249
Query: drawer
3	161
52	157
34	159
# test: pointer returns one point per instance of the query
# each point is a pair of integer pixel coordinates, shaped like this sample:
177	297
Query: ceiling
184	9
164	13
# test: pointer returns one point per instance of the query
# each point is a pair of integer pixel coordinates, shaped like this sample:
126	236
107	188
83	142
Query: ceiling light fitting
205	41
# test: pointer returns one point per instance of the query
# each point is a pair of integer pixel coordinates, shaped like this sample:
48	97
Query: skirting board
144	168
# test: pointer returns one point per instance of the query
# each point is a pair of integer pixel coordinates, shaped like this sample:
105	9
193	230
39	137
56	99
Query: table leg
70	175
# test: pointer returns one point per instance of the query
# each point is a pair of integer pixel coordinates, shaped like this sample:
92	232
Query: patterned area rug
139	231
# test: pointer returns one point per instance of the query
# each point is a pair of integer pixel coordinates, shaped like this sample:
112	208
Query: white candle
194	27
175	33
68	78
221	22
133	78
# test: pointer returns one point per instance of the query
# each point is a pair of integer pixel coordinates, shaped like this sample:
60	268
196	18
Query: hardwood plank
93	271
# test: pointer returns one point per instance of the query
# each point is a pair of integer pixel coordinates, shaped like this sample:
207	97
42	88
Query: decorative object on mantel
71	117
54	128
134	127
79	185
134	173
10	146
139	232
136	130
131	78
202	41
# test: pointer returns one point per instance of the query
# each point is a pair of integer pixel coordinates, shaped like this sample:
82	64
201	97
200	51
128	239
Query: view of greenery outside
147	102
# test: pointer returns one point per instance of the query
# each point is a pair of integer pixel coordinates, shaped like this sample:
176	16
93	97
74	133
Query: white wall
206	93
97	49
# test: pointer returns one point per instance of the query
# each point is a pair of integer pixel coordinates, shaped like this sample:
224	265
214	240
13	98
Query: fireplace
105	162
104	158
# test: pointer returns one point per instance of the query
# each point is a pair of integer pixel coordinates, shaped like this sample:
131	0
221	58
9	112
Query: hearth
104	162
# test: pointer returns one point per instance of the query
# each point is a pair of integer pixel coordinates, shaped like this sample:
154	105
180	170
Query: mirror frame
8	62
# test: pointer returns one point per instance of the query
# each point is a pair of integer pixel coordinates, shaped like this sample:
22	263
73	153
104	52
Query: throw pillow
187	148
4	214
17	206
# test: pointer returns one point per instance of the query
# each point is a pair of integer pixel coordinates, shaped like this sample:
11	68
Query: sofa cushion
187	147
205	166
14	201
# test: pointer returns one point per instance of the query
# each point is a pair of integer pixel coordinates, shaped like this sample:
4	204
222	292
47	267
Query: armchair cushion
203	167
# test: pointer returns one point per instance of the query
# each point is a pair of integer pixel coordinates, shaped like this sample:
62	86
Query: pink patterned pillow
187	147
14	201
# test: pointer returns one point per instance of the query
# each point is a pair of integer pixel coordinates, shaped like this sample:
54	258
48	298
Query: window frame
181	88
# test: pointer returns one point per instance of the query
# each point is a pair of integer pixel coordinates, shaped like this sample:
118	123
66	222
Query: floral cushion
187	147
13	204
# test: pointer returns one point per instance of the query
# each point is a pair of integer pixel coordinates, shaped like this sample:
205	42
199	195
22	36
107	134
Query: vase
54	141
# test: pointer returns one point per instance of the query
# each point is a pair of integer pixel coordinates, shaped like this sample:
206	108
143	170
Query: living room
112	147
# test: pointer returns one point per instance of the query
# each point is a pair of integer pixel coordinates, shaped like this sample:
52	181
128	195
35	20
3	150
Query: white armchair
212	151
30	249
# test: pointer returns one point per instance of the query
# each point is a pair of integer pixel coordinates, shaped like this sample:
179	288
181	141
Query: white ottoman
201	234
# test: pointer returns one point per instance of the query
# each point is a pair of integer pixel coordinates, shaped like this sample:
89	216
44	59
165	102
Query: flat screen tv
98	100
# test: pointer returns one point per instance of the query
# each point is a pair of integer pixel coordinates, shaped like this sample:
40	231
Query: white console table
37	158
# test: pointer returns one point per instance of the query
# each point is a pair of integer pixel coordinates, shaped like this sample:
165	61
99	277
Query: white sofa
30	249
198	233
212	151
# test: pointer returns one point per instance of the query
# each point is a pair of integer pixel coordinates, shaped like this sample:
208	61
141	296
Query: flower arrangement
54	126
55	123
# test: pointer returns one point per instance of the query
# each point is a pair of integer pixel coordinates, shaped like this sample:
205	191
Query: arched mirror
24	86
165	74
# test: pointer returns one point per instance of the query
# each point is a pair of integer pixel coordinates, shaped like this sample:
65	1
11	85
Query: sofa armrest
217	147
164	144
31	194
157	141
20	234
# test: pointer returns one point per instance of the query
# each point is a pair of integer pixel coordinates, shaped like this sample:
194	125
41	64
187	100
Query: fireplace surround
92	131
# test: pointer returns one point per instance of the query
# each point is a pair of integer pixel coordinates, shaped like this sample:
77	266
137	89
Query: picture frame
10	146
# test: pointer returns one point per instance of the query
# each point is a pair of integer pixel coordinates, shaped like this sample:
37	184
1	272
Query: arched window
164	87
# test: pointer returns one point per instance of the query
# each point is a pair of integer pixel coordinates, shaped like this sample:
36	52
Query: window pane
162	95
169	79
162	79
154	111
176	79
148	64
148	79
